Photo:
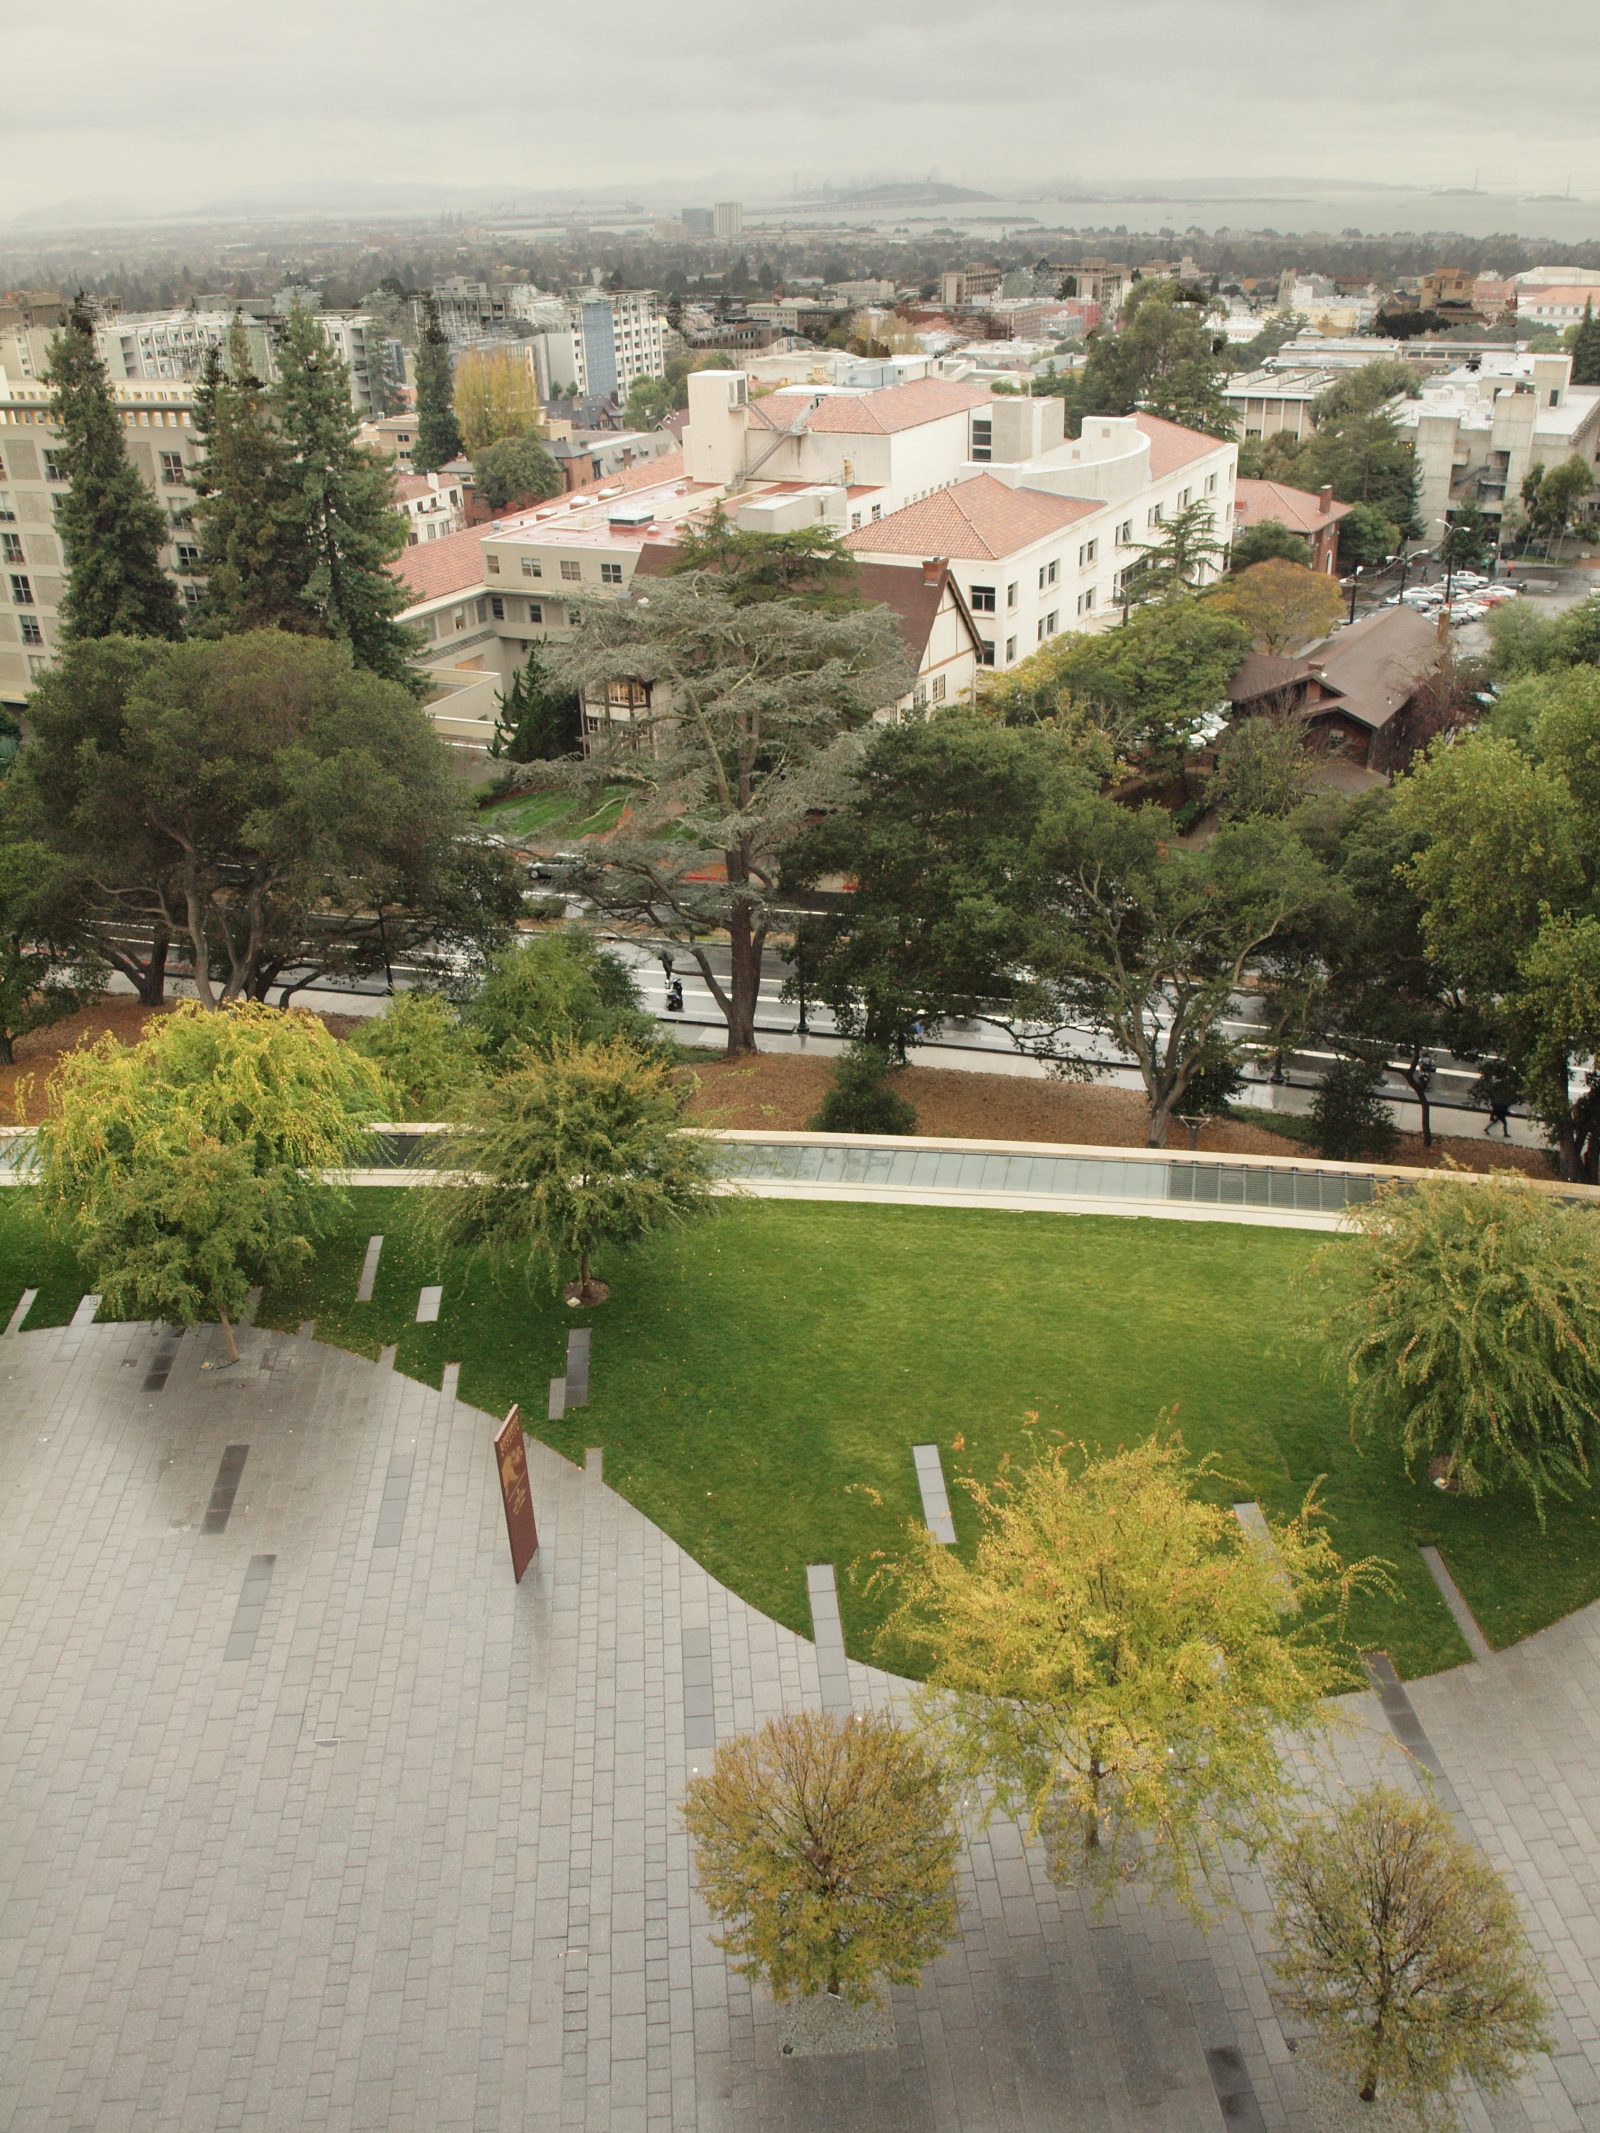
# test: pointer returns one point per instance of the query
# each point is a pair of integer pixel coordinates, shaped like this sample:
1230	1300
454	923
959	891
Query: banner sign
511	1455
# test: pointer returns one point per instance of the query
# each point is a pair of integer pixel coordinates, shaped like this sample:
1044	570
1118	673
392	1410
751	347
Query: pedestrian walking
1499	1115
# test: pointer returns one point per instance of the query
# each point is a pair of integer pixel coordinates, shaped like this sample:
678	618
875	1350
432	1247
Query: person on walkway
1499	1115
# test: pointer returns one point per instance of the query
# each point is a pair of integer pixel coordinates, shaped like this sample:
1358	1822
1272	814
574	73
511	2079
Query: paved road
311	1819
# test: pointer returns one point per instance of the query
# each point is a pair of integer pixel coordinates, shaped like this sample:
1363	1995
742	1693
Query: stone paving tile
416	1861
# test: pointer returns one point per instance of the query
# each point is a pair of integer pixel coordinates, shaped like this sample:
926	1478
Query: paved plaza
310	1818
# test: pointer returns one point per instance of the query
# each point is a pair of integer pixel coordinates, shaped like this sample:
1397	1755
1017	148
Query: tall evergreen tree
438	435
343	505
253	541
112	528
1586	349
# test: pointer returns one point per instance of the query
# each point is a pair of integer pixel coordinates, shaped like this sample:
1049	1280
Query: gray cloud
169	104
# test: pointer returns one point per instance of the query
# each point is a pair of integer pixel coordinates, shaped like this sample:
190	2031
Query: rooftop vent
640	514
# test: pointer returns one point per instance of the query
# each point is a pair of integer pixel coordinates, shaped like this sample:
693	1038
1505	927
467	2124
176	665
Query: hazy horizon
173	109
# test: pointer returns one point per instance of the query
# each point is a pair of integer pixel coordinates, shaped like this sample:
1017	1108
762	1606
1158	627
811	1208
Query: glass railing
1044	1176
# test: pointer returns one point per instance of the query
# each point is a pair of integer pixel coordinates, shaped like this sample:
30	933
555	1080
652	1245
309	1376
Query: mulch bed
780	1091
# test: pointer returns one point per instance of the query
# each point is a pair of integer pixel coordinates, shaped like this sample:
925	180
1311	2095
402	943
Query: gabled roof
913	594
1377	666
870	414
981	520
1256	502
1172	446
1367	672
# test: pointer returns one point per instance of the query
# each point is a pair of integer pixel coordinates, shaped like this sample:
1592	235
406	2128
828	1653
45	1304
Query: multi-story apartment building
432	505
173	345
727	220
161	443
1033	533
616	339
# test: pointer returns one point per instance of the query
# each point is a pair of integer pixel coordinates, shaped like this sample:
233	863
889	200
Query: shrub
1352	1120
425	1056
560	988
860	1099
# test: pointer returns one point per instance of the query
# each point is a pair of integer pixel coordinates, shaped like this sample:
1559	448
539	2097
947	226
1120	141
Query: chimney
1325	498
933	571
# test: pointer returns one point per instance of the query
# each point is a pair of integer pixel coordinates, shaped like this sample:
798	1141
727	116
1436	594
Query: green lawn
559	813
758	1383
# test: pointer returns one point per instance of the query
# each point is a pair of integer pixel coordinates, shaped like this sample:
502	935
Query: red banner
511	1455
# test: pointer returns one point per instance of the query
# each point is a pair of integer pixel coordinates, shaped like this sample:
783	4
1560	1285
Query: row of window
572	572
172	469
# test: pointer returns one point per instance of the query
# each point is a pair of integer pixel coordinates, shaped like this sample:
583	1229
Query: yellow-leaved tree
185	1169
1119	1660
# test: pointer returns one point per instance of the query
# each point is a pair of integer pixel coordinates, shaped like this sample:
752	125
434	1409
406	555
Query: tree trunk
744	985
1419	1088
1567	1151
227	1335
8	1056
153	977
1160	1119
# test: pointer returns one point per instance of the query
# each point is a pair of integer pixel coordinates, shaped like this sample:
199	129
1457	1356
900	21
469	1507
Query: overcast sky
166	104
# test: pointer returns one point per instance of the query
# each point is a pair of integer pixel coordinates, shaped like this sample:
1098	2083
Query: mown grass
564	813
758	1382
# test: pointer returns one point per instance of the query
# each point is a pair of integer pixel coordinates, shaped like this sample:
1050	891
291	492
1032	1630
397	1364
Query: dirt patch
22	1086
780	1091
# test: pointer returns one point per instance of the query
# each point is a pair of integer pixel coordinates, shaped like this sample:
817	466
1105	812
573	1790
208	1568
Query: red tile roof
430	570
1257	501
1172	446
871	414
979	520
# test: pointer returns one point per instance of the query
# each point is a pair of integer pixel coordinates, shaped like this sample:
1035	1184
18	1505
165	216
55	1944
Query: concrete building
591	456
698	221
1479	429
1276	403
173	345
159	424
727	221
1557	306
616	339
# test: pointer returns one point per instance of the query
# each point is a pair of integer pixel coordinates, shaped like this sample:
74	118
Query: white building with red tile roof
1037	528
433	506
1041	530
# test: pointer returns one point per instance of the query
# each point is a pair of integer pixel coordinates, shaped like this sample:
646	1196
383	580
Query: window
53	469
610	573
11	548
532	567
985	652
22	591
460	618
497	607
1048	573
1183	498
6	511
172	466
574	616
1125	533
982	439
491	563
1038	635
938	688
1011	596
628	695
877	513
191	596
1086	602
855	522
1087	551
188	556
2	470
1052	622
1011	650
981	600
182	520
572	570
32	630
483	610
535	611
1211	485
